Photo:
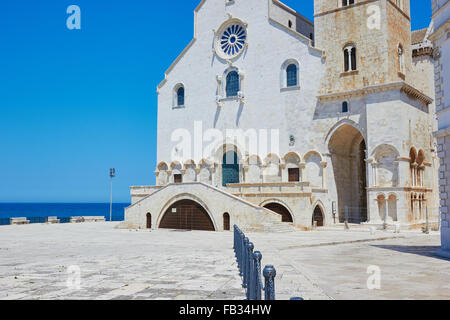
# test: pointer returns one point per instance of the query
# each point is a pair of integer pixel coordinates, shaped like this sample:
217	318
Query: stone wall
441	43
216	203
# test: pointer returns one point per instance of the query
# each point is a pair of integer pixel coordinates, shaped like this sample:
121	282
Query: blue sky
76	102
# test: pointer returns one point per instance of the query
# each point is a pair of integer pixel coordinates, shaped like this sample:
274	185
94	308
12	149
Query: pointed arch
318	216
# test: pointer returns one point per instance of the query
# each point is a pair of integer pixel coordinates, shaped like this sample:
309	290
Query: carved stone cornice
402	86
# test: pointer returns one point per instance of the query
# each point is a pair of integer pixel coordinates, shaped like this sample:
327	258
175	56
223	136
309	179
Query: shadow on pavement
427	251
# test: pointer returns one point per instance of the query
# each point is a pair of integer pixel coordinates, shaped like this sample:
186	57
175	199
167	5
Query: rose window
232	40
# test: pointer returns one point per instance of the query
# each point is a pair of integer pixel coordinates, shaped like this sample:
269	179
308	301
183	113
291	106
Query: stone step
279	227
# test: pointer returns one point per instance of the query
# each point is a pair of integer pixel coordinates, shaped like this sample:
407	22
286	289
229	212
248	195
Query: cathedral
277	123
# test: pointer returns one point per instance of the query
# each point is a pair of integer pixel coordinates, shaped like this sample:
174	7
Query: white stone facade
360	150
440	38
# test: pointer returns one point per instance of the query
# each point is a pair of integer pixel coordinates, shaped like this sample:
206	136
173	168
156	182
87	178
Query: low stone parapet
87	219
19	221
94	219
53	220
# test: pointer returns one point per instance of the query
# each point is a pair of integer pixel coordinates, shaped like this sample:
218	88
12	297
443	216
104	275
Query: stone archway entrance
348	153
318	217
281	210
187	215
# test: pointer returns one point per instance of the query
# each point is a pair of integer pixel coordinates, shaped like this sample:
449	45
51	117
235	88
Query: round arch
226	222
279	207
313	152
148	220
224	146
193	200
292	155
162	166
347	146
338	126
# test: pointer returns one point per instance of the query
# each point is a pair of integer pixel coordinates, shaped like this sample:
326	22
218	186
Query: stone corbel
241	97
324	164
169	172
219	101
302	165
246	167
183	171
157	173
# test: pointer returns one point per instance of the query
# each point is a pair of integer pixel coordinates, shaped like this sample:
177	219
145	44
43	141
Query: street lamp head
112	172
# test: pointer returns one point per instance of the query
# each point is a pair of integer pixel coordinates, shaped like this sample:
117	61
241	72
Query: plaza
171	264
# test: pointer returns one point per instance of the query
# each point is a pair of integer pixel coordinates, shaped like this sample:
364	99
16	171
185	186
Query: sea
38	212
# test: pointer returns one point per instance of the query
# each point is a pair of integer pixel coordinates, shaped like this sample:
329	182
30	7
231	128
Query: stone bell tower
366	42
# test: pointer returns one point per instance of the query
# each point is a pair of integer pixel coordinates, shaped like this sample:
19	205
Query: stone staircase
279	227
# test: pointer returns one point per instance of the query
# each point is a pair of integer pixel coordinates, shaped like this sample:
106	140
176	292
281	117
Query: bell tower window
346	3
350	58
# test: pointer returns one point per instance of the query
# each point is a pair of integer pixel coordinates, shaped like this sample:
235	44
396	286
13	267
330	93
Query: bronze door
187	215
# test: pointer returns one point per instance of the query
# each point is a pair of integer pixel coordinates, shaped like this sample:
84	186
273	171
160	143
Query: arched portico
347	147
186	212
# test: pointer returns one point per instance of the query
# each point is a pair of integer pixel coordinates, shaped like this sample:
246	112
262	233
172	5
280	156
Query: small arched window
344	107
232	86
291	74
149	221
350	58
180	97
226	222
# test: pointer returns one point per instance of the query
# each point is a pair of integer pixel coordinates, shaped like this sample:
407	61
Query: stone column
284	172
302	170
371	172
414	174
198	168
404	168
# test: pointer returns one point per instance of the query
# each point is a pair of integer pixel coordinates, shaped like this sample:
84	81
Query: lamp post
112	174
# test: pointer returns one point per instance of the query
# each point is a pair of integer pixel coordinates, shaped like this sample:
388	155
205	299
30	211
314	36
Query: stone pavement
164	264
